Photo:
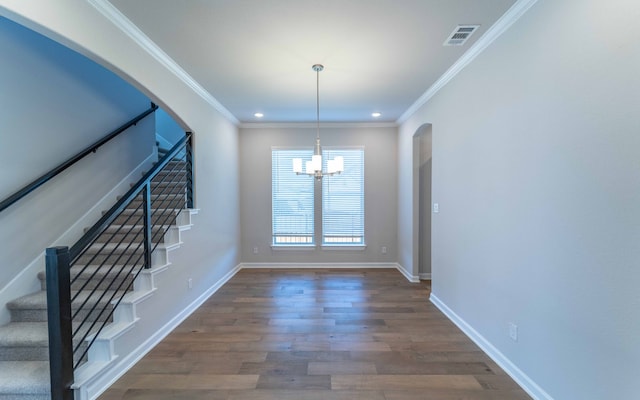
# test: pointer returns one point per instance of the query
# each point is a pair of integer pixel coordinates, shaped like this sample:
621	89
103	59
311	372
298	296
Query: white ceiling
256	55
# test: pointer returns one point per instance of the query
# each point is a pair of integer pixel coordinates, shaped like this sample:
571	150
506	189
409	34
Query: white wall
536	168
380	176
214	242
54	103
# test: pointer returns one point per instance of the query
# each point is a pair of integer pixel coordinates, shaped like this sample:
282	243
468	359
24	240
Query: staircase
24	366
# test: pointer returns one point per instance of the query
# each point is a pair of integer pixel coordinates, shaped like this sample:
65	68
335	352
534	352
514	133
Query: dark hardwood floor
317	335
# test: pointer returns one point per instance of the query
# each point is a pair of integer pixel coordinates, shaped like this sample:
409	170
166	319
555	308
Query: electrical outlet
384	249
436	207
190	283
255	250
513	331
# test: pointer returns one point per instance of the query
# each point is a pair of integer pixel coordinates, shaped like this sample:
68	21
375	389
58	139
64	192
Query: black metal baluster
189	166
59	321
146	201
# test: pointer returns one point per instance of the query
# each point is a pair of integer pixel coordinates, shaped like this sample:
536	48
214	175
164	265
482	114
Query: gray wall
380	174
55	102
536	169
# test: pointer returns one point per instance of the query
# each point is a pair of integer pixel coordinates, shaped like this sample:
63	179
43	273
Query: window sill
341	247
303	247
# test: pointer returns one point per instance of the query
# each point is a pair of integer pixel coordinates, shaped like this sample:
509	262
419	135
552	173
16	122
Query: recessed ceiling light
258	115
376	114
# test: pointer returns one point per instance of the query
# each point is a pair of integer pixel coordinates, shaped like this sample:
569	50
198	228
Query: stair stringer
106	349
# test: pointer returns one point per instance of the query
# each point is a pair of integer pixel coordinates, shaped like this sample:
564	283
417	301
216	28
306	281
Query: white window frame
317	208
335	181
305	239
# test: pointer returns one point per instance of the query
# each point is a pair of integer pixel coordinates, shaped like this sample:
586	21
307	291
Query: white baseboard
510	368
425	276
26	281
410	277
123	364
289	265
364	265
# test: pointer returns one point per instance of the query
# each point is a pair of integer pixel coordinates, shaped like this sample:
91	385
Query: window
292	196
343	200
292	200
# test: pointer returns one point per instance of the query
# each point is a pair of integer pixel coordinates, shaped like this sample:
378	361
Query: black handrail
91	149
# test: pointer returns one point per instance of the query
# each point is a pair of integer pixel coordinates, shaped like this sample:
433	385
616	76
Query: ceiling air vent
460	35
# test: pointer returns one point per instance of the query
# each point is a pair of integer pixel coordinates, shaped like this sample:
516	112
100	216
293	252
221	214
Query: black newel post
59	321
189	166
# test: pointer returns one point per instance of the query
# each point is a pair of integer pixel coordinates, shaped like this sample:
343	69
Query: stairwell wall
168	131
54	103
211	250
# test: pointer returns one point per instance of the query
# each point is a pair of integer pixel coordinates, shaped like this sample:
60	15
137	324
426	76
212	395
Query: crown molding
125	25
313	125
502	24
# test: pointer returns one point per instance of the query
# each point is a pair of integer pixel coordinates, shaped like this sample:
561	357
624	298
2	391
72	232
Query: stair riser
40	315
155	219
178	172
136	235
154	211
125	228
154	198
164	188
124	248
108	284
114	259
169	191
172	183
160	203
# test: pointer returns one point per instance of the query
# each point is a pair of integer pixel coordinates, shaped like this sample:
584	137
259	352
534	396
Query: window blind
292	199
343	199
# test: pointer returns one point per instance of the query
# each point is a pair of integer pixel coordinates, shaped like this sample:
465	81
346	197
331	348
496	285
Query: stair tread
21	334
128	211
100	270
24	377
125	228
127	246
38	300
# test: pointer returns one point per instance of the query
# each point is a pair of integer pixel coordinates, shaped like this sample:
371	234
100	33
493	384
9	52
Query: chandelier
314	167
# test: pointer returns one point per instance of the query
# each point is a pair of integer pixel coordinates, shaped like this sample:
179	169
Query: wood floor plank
306	382
318	334
341	368
399	382
306	395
